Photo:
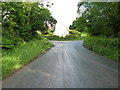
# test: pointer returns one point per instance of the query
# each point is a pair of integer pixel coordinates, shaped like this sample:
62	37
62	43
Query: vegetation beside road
107	47
104	46
23	25
101	21
73	35
22	54
98	19
66	38
22	20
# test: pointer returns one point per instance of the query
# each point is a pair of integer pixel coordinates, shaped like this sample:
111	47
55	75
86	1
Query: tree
99	19
21	20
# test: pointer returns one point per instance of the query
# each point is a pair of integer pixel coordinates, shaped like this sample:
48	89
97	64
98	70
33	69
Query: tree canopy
98	19
21	20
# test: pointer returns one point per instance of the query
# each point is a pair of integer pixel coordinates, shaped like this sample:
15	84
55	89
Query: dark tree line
22	20
99	19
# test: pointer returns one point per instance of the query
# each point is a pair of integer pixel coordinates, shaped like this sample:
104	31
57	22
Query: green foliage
53	37
73	35
23	24
21	21
74	32
22	54
49	32
66	38
70	37
107	47
99	19
41	18
84	34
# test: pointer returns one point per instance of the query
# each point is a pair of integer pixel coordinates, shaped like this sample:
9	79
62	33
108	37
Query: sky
64	11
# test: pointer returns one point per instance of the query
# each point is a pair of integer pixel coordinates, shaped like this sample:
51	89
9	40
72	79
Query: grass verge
107	47
22	54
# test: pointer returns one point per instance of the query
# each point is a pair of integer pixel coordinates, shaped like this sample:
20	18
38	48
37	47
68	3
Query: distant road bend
67	65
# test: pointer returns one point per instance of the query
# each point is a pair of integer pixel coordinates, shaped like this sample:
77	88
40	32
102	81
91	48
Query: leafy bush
107	47
101	19
52	37
21	21
74	32
67	37
70	37
22	54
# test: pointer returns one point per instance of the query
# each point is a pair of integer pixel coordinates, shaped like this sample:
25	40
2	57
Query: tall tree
21	20
99	18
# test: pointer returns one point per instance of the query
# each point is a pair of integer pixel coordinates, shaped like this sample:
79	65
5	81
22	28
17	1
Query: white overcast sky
64	11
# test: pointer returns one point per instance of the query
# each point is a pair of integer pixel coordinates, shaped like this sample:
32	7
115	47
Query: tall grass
107	47
22	54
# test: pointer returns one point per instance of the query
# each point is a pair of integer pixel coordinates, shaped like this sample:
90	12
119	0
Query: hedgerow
66	38
107	47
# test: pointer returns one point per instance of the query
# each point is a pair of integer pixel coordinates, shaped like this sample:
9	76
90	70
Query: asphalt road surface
67	65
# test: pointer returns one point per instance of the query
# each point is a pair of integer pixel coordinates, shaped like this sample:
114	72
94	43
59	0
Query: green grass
22	54
107	47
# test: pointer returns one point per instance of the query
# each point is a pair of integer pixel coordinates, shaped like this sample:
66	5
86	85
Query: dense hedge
68	37
107	47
